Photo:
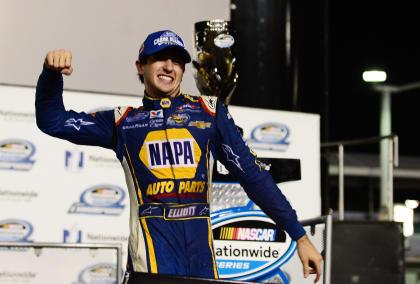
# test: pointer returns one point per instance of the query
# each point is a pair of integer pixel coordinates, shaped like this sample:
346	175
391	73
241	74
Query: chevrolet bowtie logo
77	123
200	124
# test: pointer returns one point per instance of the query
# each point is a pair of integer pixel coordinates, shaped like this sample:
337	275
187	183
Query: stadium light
376	77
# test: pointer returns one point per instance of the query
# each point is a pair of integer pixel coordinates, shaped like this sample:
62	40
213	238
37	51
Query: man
165	148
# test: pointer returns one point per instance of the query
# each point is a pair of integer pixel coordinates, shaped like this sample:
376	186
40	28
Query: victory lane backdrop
54	191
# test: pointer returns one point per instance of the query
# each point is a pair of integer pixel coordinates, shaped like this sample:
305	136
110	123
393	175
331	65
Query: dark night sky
365	34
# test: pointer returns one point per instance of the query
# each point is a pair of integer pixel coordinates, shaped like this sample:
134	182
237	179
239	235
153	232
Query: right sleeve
96	129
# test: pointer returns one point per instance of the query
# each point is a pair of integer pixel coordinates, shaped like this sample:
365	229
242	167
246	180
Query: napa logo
270	136
15	230
104	273
248	245
100	199
16	154
173	153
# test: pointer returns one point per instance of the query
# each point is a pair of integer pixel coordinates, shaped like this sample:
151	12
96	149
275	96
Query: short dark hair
142	61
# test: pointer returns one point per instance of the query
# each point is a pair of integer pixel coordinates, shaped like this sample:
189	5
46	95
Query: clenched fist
59	60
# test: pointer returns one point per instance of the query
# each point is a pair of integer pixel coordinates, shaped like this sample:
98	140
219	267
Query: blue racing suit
166	147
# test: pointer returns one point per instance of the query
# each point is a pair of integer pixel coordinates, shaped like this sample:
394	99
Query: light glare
412	204
374	76
406	216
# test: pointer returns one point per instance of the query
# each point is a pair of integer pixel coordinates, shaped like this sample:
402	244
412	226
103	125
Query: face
162	74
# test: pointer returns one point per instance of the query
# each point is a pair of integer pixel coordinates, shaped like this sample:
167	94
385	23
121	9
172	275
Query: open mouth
165	78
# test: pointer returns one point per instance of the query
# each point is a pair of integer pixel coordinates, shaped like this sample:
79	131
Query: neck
163	95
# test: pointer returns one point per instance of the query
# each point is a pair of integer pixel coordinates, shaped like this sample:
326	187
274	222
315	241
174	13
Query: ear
140	68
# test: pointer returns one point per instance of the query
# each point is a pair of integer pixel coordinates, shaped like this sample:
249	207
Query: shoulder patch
209	104
120	113
190	98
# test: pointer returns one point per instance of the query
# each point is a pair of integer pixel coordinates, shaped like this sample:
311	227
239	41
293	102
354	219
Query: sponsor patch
187	107
174	212
168	38
77	123
134	126
165	102
178	119
173	153
200	124
156	113
138	116
247	234
162	189
155	123
209	104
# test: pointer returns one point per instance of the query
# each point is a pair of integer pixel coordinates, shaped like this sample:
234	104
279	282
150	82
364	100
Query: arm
261	188
51	116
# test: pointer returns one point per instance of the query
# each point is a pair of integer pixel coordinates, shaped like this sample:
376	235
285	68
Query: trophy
215	61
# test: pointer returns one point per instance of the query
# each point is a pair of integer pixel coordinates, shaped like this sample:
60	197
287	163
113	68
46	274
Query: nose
168	65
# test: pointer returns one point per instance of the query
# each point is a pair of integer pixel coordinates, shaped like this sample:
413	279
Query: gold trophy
215	61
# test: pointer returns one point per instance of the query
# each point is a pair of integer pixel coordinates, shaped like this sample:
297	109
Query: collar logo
165	103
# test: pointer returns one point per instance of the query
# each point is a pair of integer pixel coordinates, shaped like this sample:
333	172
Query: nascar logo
247	234
173	153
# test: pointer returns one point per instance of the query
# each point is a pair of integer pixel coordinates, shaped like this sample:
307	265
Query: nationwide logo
200	124
156	113
100	199
173	153
18	195
10	115
15	230
270	136
248	246
104	273
16	154
224	41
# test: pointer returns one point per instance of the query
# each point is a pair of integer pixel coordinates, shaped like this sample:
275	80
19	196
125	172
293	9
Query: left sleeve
259	185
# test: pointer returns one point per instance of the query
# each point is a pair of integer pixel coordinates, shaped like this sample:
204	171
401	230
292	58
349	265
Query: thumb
67	71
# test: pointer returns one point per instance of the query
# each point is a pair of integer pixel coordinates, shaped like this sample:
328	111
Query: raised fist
59	60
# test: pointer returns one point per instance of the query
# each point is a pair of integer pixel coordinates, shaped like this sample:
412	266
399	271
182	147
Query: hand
310	257
59	60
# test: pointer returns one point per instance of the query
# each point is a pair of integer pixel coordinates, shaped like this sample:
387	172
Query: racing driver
166	147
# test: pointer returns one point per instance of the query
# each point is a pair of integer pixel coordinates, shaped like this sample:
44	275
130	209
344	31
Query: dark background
331	44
